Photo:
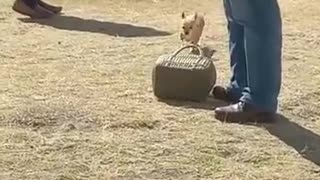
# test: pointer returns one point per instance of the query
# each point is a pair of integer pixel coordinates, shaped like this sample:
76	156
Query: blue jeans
255	43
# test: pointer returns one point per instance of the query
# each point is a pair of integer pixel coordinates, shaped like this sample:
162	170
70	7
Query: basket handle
188	46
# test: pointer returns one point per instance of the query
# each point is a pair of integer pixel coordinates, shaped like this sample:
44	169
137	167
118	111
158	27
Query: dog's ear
183	15
195	15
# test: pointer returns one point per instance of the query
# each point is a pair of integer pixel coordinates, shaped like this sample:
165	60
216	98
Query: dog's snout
186	32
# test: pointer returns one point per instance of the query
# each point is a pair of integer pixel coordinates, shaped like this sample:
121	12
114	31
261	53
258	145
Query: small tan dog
192	27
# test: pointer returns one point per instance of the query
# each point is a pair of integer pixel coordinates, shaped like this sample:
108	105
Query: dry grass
77	103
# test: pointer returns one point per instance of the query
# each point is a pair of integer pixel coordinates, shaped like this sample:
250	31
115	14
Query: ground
77	101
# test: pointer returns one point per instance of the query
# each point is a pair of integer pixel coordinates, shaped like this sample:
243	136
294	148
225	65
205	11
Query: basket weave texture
183	76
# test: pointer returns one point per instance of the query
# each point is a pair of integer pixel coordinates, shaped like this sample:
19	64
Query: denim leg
237	55
238	65
263	45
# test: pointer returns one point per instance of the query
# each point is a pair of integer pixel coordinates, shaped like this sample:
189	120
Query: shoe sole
233	117
245	117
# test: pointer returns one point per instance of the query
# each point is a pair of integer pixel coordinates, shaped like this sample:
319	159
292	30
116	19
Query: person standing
35	8
255	45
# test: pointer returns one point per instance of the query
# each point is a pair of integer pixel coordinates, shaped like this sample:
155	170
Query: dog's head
192	26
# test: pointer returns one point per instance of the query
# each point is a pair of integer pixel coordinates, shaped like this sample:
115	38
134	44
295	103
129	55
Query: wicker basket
183	76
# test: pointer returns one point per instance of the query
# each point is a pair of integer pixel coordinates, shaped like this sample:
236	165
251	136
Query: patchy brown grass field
77	102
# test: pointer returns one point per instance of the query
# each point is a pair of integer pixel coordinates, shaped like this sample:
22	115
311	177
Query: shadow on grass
304	141
209	104
73	23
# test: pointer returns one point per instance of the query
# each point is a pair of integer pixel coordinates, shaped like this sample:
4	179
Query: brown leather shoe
54	9
221	93
242	112
36	12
